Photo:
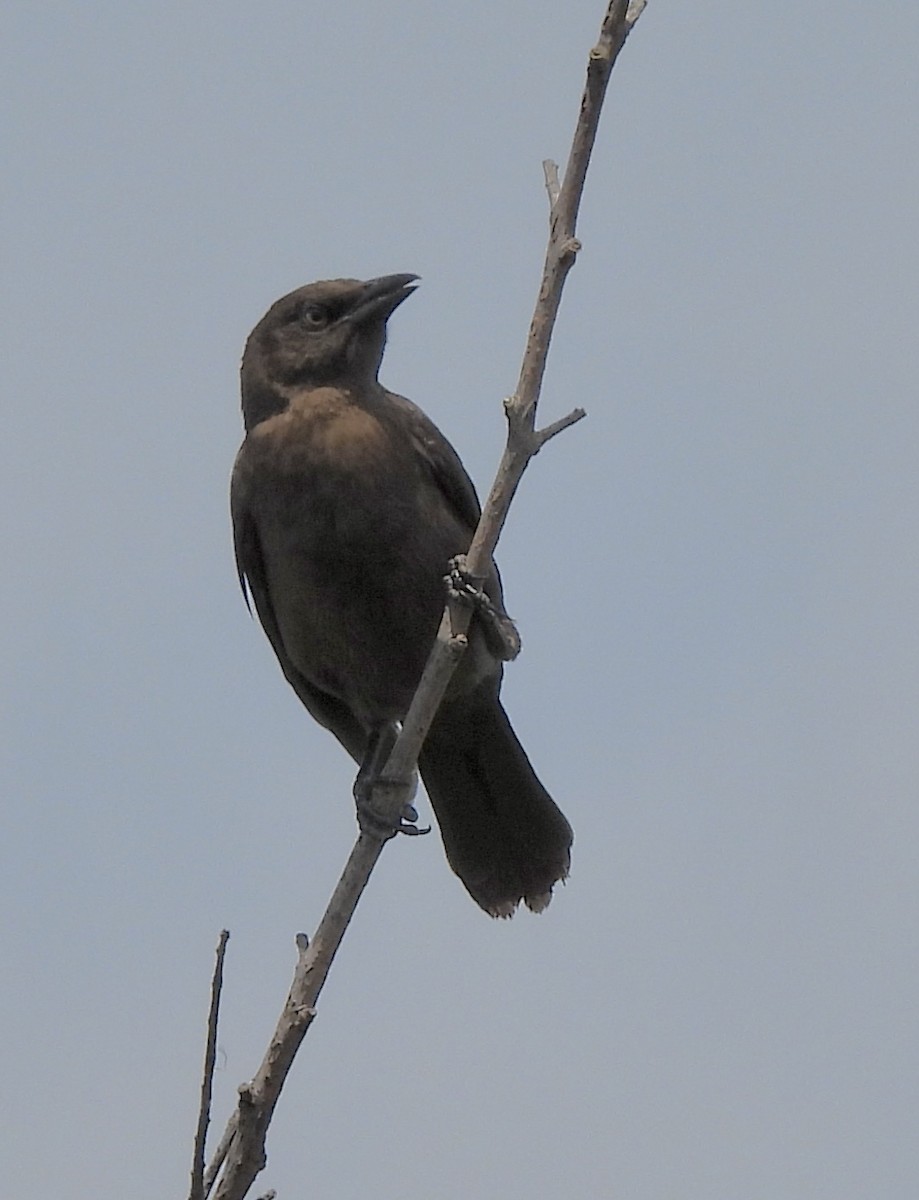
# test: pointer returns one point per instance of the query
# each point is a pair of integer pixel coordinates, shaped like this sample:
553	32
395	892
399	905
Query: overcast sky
716	577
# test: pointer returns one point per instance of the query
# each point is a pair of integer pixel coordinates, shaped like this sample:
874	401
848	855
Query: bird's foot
384	807
500	631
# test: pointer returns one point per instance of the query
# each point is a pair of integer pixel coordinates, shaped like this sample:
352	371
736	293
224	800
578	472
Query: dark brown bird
348	504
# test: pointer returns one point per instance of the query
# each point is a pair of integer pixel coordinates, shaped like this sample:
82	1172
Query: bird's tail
504	835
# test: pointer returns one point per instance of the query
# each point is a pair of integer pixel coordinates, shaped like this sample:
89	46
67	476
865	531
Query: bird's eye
315	316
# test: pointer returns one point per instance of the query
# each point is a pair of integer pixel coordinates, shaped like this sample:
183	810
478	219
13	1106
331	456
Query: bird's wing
444	463
454	484
250	566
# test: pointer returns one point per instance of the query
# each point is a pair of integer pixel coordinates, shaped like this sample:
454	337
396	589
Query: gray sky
716	578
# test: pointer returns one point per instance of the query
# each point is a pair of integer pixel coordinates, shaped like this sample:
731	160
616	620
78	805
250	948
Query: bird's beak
381	297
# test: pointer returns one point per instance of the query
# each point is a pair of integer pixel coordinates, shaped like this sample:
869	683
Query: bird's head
330	332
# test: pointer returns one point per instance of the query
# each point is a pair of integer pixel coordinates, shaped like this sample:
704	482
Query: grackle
348	504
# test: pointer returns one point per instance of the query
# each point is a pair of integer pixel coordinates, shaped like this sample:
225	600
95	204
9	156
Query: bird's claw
378	811
500	631
462	586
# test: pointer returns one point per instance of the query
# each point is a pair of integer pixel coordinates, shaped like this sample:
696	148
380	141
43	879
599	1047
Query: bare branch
257	1099
247	1130
207	1083
549	431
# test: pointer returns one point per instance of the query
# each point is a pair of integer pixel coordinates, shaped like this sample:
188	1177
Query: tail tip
536	902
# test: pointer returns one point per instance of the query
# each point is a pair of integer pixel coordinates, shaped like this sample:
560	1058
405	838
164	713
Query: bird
348	504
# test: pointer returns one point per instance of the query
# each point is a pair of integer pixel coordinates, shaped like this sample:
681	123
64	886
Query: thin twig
257	1099
246	1139
550	170
219	1157
207	1083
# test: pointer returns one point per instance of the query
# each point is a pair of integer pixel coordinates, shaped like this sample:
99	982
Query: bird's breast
321	430
336	480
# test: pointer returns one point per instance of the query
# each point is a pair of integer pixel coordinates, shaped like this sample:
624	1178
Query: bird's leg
500	631
379	811
380	742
